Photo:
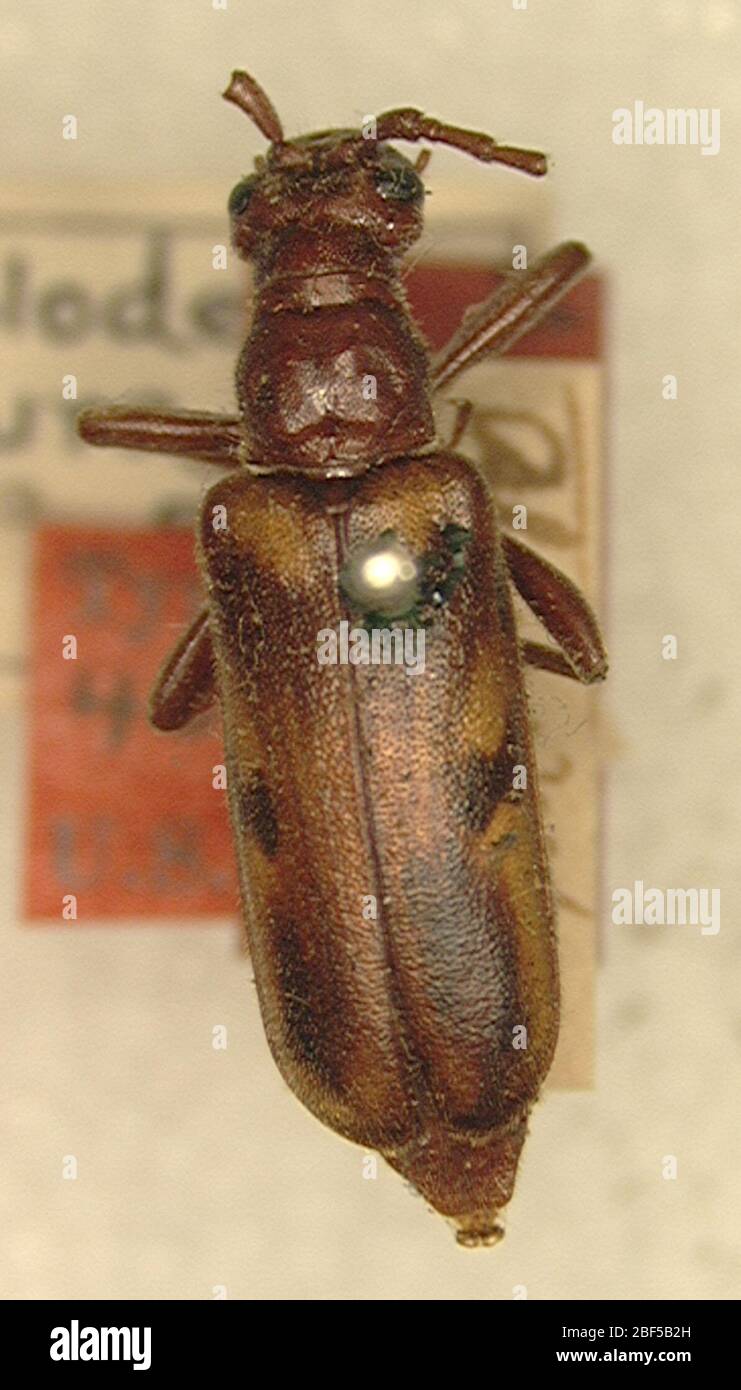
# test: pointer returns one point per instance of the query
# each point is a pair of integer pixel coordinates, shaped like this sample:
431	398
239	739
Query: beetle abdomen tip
475	1233
466	1178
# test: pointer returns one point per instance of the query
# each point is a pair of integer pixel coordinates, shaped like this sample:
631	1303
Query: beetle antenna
249	96
406	123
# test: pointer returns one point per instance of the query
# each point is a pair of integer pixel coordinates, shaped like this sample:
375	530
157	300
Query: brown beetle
391	856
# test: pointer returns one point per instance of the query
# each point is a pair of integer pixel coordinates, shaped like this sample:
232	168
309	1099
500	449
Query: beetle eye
400	183
240	196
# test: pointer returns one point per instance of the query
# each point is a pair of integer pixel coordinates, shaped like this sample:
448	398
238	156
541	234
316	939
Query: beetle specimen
391	856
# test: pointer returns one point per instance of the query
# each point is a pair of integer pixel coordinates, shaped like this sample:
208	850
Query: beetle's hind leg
564	613
201	436
185	686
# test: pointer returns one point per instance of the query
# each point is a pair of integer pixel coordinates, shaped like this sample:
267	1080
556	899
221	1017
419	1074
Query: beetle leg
185	685
564	613
511	311
463	412
206	438
547	659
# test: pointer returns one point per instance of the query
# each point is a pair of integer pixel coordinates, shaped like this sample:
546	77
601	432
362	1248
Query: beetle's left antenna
248	95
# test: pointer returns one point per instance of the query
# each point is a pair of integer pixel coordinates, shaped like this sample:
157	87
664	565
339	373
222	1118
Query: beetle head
345	177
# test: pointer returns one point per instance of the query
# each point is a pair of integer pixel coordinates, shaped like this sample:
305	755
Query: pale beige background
106	1042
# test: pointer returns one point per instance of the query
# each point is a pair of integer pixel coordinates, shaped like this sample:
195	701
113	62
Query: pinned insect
393	872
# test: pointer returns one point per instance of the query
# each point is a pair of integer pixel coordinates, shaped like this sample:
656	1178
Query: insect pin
393	873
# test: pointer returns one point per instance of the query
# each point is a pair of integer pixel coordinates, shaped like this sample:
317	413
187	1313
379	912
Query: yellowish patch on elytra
502	834
279	540
485	720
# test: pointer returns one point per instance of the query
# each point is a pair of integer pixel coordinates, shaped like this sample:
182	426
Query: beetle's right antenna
408	124
248	95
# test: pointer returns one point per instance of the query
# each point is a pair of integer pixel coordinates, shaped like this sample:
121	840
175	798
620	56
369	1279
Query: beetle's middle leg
185	686
564	613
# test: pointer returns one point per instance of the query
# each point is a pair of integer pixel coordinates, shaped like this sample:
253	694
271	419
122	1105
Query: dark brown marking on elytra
256	812
479	1005
487	781
232	599
438	935
253	600
310	999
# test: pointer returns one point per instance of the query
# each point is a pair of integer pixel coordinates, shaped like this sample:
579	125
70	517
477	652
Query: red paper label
125	820
440	295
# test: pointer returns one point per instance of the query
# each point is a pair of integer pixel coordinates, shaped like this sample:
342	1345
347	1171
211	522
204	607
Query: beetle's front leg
196	435
492	327
185	686
564	613
463	413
